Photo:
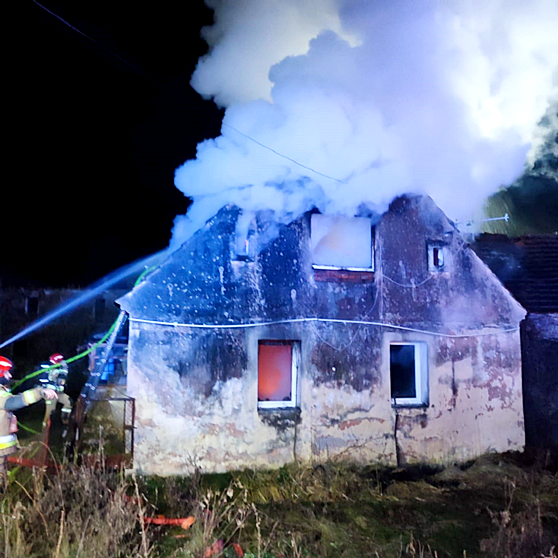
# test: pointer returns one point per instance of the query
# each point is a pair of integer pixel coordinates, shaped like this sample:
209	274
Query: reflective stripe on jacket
7	441
14	402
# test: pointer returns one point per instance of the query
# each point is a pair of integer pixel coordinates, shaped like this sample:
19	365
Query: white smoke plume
373	99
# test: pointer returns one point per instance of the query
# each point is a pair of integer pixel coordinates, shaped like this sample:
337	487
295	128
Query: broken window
408	373
277	373
245	239
437	257
246	248
32	306
341	242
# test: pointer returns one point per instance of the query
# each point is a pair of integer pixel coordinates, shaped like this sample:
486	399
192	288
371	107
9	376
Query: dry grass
79	512
497	508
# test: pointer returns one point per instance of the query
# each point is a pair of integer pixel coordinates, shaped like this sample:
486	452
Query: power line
223	125
482	333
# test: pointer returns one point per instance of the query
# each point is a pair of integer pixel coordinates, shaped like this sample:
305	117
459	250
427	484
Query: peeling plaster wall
475	400
196	388
475	405
185	420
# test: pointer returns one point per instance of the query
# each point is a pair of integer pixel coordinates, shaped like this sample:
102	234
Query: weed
496	507
520	532
79	512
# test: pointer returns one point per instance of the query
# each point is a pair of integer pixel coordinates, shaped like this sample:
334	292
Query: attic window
437	257
245	245
246	249
408	373
341	242
277	374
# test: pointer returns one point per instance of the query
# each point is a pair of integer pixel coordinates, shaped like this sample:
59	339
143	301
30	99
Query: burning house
369	338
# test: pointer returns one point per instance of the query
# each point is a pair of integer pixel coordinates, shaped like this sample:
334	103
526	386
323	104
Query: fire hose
81	355
87	351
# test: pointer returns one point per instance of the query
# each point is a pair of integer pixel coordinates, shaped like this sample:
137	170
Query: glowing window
408	373
277	374
341	242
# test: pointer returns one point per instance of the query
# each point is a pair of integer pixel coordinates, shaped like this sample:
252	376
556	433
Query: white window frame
295	360
421	375
349	268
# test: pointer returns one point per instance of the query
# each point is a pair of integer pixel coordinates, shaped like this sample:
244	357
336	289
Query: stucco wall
196	387
187	420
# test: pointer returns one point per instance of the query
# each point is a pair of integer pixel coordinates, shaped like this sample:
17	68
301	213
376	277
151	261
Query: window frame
443	251
295	363
244	247
421	376
346	268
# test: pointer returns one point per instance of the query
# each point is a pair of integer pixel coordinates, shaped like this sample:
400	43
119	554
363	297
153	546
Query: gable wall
196	388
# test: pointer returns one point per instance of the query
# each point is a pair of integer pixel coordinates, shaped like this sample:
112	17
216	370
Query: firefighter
56	380
9	403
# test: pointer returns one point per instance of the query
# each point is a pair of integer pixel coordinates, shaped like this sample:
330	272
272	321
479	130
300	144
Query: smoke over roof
358	101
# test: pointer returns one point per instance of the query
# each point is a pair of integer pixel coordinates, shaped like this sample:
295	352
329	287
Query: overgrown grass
500	506
79	511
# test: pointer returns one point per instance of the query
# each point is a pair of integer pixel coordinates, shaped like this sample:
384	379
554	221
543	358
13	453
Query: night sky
96	142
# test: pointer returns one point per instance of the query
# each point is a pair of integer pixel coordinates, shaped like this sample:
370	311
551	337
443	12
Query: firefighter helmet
5	365
56	358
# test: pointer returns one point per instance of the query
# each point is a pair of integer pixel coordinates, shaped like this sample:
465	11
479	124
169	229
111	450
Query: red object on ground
32	463
184	522
40	458
215	548
238	550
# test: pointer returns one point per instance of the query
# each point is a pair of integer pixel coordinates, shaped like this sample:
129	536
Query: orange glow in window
274	372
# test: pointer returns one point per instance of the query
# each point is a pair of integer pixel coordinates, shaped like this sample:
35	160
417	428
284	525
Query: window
245	241
408	373
277	374
341	242
32	306
246	247
437	257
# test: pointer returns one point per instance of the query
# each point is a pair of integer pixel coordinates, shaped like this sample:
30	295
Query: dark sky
93	142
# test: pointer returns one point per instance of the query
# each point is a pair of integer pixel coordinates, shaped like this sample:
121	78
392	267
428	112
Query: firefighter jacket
9	403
